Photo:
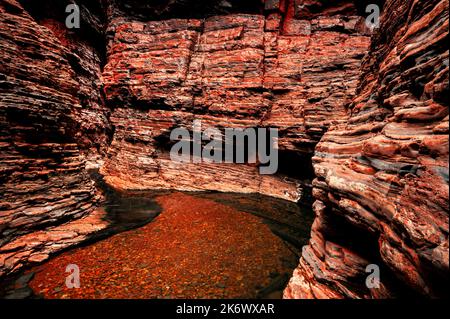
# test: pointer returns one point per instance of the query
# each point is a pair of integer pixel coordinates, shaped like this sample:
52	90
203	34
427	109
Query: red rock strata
50	110
277	70
114	89
382	176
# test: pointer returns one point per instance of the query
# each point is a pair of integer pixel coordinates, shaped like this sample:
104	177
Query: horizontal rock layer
235	71
382	176
139	69
51	116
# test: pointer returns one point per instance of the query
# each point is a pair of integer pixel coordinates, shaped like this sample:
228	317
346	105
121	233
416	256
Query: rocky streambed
179	245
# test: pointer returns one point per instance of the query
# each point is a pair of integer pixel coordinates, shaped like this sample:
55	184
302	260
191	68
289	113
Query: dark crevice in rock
183	9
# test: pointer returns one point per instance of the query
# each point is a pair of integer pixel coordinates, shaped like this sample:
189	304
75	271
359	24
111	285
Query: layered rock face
281	69
51	116
382	176
116	88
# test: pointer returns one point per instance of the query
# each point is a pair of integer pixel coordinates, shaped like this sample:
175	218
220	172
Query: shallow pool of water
183	245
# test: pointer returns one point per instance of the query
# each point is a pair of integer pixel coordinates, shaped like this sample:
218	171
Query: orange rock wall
376	125
51	117
382	176
275	69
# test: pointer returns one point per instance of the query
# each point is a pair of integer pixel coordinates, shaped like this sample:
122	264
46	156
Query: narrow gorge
87	177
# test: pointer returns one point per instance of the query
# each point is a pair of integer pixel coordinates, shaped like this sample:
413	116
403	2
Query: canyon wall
136	70
51	117
113	90
382	176
278	69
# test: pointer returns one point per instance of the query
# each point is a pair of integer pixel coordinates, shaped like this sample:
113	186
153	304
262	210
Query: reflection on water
290	221
287	220
125	210
179	245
